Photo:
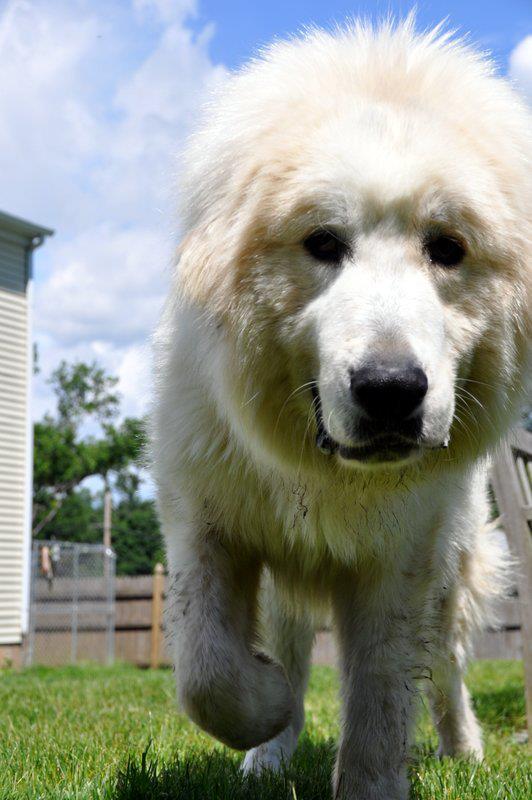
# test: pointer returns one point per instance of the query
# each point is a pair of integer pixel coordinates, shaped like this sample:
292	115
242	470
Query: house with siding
18	239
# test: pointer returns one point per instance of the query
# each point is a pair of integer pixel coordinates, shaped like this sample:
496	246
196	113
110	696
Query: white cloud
167	10
109	281
96	100
520	67
134	376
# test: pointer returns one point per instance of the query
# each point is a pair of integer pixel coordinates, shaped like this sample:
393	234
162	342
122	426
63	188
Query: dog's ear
202	267
215	254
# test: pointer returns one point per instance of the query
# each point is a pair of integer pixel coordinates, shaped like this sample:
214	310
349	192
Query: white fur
384	135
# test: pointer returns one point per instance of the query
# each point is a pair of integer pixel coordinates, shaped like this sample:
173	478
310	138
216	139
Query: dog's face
373	291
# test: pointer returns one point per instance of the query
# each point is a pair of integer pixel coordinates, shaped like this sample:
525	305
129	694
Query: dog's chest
313	523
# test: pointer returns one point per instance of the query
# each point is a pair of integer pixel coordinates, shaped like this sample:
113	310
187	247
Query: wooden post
515	517
107	511
156	614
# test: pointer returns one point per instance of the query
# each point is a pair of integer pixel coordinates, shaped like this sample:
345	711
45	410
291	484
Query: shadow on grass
217	776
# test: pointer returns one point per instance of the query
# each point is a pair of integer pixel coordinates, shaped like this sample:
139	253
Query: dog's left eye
325	246
445	251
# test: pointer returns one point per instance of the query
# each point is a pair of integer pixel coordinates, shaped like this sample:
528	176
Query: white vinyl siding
12	265
13	436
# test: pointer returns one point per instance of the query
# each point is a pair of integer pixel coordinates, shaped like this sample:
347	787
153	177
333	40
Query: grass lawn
82	732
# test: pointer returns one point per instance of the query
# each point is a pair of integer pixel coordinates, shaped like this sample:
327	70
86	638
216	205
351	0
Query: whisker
310	415
471	395
463	425
459	393
253	397
482	383
298	390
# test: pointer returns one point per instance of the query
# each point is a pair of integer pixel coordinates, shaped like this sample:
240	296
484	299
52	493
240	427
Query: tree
84	439
79	519
84	390
137	539
63	457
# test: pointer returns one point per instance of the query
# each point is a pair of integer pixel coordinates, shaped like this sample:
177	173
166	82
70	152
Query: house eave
23	227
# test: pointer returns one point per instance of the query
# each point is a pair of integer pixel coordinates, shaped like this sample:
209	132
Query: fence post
110	585
156	614
34	574
75	606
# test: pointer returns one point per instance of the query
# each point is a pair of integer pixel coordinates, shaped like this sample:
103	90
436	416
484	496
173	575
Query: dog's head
359	236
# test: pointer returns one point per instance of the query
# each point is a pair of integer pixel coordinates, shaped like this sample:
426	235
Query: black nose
389	392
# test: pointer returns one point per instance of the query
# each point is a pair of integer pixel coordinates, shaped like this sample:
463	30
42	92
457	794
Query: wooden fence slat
133	613
521	440
522	472
509	613
134	585
499	645
510	501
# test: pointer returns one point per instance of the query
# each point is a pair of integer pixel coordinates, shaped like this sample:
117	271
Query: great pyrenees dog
343	346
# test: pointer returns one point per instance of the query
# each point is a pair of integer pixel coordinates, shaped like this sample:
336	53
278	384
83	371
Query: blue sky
242	26
97	99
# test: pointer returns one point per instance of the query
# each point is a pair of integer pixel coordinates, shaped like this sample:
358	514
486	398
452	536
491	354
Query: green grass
114	734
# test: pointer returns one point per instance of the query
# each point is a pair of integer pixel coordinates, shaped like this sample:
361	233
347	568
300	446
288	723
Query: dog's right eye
326	246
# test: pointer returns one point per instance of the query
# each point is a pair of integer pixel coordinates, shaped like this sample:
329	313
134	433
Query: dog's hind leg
289	639
458	730
466	609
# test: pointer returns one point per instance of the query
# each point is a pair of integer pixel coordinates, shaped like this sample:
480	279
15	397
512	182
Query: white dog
344	344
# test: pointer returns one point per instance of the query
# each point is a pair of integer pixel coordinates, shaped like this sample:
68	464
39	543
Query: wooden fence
137	621
512	483
135	638
140	637
139	632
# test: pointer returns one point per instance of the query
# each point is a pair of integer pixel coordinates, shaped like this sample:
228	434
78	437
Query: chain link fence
72	603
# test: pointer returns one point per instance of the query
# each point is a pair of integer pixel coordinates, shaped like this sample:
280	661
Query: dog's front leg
240	698
377	660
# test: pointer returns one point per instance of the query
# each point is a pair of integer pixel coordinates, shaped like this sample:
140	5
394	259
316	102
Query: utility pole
107	511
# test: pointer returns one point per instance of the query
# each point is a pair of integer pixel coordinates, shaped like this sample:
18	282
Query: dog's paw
242	709
270	755
471	748
462	740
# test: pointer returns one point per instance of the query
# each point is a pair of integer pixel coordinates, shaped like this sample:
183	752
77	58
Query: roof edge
23	226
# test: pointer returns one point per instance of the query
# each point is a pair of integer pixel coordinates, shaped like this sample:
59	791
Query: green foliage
83	390
135	532
137	539
78	519
120	447
114	733
65	454
63	459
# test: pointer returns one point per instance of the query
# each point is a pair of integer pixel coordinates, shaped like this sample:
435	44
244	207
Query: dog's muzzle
383	441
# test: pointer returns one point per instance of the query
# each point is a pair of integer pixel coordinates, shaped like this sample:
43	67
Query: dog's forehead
386	157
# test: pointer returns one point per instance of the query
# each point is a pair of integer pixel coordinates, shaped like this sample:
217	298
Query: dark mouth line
324	443
397	447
